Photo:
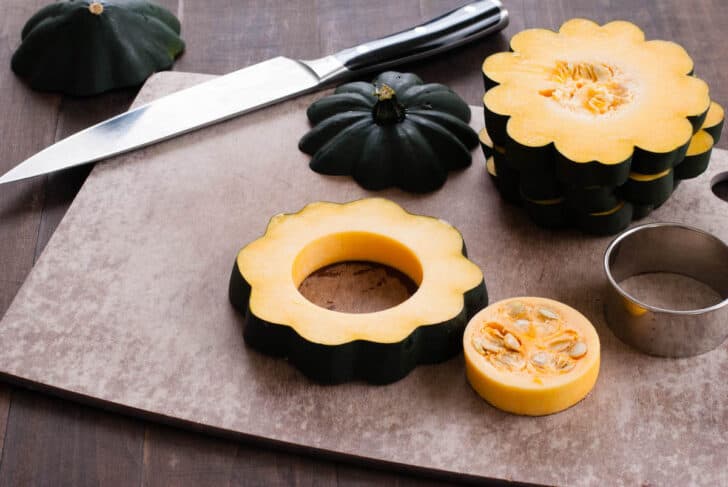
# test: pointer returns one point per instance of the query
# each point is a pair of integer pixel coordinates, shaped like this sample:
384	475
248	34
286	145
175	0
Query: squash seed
578	350
564	364
511	342
547	313
560	344
478	345
523	325
541	359
483	345
516	309
511	360
564	341
546	329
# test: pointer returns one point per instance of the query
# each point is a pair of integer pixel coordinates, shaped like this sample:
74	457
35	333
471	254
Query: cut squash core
531	356
594	88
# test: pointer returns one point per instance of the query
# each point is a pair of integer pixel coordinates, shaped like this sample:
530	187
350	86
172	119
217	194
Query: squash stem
96	8
387	110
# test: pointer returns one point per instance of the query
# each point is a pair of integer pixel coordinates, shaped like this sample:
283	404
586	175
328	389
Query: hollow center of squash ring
595	88
356	272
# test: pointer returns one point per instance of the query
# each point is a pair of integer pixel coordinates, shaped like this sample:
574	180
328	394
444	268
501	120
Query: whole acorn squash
394	131
87	47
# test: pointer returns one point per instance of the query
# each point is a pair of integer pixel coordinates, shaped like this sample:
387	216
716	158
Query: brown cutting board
127	308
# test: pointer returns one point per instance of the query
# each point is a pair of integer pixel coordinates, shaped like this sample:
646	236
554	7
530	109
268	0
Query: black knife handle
464	24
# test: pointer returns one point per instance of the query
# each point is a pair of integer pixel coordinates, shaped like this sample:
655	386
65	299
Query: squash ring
330	346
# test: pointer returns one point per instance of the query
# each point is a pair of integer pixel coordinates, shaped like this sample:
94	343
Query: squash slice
531	356
599	116
599	97
331	346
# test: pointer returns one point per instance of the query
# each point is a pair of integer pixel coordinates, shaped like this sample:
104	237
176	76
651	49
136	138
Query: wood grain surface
48	441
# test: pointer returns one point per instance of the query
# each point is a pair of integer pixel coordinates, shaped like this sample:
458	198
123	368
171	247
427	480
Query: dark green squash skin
508	187
544	188
410	141
487	150
65	48
507	179
606	224
641	211
697	121
508	190
550	215
715	131
693	166
592	173
646	162
496	124
653	192
593	199
541	160
376	363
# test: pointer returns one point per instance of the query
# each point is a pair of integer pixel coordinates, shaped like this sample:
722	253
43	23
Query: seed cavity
588	87
530	338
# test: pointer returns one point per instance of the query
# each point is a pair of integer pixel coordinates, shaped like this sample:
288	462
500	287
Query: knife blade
258	86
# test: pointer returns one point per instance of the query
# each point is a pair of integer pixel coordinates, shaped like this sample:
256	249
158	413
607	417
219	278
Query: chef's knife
257	86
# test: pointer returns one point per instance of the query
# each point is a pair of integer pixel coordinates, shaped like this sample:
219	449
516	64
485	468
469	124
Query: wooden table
50	441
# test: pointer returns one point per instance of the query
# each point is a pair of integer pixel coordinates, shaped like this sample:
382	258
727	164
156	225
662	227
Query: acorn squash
331	346
394	131
87	47
598	116
531	356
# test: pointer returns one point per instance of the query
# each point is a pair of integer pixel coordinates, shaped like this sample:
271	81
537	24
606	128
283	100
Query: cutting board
127	308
